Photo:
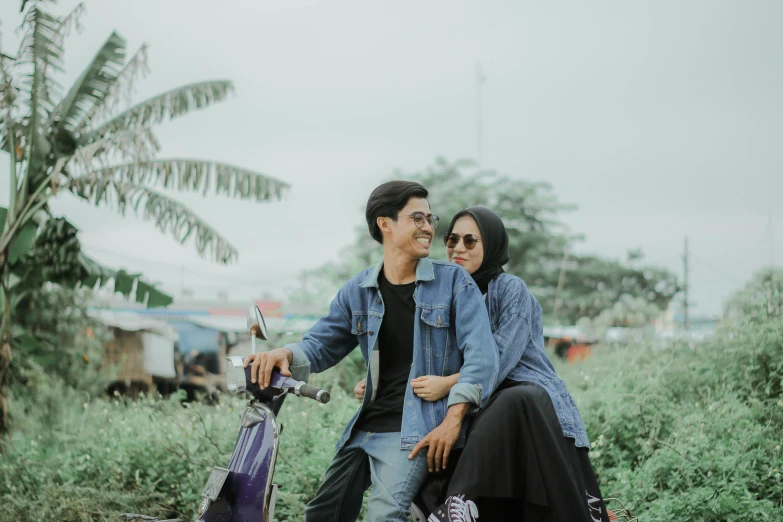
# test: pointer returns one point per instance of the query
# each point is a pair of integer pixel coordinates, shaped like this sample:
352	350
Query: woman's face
470	260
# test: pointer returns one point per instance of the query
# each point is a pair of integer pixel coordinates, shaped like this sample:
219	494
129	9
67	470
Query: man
411	316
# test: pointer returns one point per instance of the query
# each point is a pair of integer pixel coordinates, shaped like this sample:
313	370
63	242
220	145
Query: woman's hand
358	390
431	387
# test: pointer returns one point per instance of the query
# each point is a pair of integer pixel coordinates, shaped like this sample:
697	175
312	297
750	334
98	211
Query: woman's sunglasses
469	240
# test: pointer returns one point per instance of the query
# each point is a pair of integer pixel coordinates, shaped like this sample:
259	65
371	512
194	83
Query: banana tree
80	141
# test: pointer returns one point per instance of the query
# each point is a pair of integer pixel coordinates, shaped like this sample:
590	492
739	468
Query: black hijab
494	241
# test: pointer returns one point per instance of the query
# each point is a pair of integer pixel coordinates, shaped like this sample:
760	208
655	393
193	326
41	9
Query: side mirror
255	321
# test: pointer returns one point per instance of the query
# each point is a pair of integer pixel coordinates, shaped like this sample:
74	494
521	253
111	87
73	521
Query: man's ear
383	224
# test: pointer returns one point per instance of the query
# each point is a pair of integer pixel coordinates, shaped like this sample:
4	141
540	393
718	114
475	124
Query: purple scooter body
244	492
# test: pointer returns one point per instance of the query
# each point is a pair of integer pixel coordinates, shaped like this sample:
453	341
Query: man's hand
431	387
440	440
265	362
359	389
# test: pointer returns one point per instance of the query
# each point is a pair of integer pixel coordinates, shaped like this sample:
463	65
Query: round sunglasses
469	240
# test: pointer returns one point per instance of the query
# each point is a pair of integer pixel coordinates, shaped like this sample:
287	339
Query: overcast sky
660	120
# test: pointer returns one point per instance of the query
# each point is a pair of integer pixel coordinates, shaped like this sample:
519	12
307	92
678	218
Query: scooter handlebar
311	392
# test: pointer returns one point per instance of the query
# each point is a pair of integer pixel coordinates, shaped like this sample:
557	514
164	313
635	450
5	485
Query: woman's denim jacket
515	316
451	334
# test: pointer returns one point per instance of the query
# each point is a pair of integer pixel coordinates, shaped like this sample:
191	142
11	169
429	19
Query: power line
717	271
659	261
759	241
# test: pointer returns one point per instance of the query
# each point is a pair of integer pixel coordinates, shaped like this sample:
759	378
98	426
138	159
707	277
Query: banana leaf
127	284
24	239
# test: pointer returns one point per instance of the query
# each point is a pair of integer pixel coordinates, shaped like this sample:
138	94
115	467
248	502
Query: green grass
103	457
678	433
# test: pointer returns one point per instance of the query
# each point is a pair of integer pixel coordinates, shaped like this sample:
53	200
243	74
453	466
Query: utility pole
685	286
771	242
560	282
479	116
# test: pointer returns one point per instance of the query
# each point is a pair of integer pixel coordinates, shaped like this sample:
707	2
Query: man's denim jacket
451	334
515	316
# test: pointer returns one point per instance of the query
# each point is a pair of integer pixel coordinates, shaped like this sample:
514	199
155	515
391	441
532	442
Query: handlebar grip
311	392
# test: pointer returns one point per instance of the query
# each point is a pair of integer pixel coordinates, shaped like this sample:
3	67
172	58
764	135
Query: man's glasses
419	218
469	240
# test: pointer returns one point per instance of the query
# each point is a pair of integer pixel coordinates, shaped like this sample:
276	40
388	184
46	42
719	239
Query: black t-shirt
395	342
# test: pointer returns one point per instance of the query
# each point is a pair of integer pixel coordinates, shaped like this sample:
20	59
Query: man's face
405	236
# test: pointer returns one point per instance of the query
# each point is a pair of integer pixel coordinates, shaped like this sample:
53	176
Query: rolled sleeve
464	392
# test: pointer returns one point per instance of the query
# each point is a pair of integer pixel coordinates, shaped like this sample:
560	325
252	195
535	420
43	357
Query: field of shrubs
685	433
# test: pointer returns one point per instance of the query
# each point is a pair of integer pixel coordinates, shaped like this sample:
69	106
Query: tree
761	297
628	312
79	141
540	245
592	284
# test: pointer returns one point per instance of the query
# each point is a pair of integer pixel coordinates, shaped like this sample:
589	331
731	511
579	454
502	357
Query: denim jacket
451	334
515	316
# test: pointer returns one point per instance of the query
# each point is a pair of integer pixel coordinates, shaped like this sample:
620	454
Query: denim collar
424	272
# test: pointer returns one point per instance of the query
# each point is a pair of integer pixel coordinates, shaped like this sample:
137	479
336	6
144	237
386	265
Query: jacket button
378	300
371	332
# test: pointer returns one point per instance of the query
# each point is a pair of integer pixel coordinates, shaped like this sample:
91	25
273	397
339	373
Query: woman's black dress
517	465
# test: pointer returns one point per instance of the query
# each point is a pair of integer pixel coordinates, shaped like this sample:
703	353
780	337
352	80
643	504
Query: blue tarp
194	337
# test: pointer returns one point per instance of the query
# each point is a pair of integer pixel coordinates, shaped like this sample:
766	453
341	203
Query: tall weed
99	458
689	433
678	433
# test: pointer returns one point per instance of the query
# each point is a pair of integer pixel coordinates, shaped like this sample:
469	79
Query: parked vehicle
243	491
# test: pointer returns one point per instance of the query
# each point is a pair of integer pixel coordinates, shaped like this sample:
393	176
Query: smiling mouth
424	240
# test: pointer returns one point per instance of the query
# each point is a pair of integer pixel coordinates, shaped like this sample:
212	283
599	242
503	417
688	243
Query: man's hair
387	200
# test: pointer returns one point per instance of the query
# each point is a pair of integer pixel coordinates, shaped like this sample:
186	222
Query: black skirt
517	465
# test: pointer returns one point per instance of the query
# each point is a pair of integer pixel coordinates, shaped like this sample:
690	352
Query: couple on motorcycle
447	345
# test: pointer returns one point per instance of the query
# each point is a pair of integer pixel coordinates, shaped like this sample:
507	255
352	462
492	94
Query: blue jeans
369	458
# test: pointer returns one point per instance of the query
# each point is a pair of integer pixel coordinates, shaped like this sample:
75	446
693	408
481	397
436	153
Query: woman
526	455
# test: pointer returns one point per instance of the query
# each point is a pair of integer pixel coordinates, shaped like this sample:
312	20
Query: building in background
143	352
185	345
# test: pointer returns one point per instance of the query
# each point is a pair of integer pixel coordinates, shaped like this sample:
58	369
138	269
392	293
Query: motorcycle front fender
245	493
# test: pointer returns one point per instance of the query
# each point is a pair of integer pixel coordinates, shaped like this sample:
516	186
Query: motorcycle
243	491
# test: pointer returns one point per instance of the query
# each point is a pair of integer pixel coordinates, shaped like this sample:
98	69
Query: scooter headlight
235	374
